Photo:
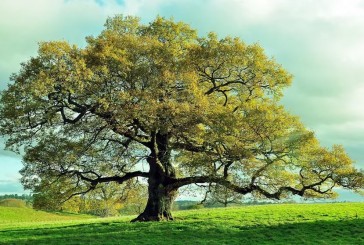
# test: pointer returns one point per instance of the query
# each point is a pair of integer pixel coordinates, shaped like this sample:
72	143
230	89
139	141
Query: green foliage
156	101
109	199
49	196
135	199
223	195
106	200
266	224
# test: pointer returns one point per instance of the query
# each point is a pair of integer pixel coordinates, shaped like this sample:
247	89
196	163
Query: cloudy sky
321	42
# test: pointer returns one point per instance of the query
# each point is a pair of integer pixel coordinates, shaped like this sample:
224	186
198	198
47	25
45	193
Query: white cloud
25	23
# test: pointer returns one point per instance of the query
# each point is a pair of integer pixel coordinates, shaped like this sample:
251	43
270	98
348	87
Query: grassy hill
20	216
266	224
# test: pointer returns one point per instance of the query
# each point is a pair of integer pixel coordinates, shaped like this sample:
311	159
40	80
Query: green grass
269	224
17	217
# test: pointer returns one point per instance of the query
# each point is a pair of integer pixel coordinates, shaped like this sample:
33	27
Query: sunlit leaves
97	110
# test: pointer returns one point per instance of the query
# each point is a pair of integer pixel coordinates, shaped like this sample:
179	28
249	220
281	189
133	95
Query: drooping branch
352	180
70	103
126	132
95	181
71	121
122	179
99	179
188	147
300	192
78	193
207	192
177	183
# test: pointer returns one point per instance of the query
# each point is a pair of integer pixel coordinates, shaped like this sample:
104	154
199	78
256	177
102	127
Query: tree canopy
157	102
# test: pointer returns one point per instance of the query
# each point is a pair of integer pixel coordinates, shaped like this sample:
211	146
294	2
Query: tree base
166	216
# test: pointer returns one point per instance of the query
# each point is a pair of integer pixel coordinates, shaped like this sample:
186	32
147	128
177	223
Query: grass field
14	216
268	224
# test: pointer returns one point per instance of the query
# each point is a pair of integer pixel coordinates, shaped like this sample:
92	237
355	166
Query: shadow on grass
200	232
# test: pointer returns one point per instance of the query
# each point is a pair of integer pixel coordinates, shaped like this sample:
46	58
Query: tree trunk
160	196
159	204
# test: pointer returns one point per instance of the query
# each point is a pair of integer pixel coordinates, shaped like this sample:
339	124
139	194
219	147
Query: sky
320	42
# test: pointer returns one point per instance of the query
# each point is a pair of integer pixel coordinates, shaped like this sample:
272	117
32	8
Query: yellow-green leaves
212	102
230	68
123	25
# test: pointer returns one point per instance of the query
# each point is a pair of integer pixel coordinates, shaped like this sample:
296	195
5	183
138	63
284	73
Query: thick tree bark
159	204
160	194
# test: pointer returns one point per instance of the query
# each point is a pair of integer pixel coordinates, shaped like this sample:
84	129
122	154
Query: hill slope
269	224
18	215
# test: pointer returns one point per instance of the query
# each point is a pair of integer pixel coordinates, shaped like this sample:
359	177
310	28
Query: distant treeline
188	204
25	197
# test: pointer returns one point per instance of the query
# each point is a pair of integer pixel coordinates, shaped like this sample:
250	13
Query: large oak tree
159	103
